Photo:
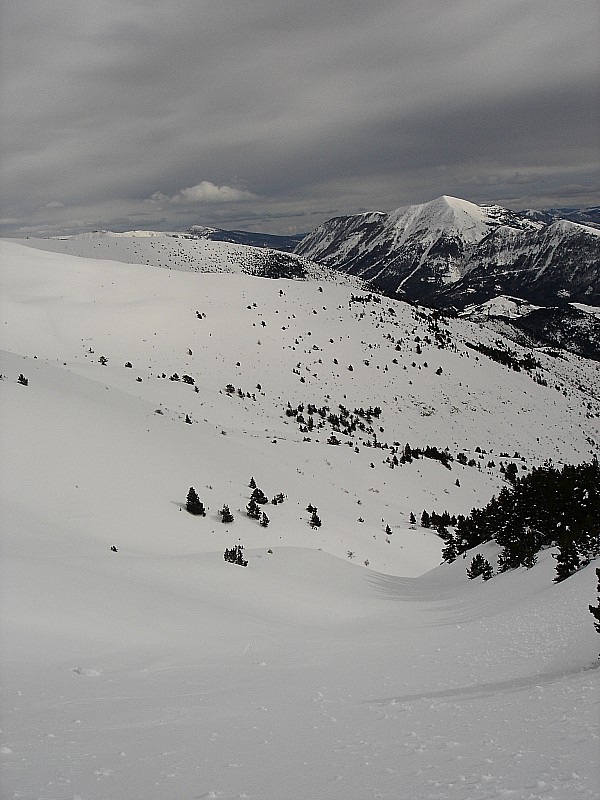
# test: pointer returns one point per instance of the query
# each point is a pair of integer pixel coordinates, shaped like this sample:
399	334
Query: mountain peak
422	251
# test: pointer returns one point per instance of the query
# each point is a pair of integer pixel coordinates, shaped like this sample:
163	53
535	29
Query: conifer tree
480	566
315	521
193	504
449	551
226	515
595	610
259	496
253	509
567	559
264	520
425	520
235	555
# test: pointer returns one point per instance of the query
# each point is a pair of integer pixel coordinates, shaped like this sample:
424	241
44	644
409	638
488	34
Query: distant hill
185	252
285	243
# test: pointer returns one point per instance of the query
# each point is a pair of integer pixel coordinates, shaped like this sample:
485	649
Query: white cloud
203	192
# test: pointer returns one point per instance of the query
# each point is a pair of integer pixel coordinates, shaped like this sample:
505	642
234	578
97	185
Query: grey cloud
296	106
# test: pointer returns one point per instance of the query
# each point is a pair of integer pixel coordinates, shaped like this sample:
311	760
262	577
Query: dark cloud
125	113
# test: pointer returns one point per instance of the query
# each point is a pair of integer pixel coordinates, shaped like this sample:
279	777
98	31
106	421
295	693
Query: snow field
161	672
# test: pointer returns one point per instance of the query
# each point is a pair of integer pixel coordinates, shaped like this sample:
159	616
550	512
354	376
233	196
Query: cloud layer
275	115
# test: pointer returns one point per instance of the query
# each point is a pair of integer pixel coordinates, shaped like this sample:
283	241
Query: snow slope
161	672
180	252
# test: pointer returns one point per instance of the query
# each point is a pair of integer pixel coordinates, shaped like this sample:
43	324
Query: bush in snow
235	555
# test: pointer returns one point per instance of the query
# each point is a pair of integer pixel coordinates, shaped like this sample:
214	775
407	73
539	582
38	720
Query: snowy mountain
343	661
588	215
413	250
570	327
556	263
454	252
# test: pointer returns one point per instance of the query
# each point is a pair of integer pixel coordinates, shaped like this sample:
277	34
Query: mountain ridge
423	251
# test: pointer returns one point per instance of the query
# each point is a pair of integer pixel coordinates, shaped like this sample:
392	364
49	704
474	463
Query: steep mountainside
566	327
454	253
556	263
413	250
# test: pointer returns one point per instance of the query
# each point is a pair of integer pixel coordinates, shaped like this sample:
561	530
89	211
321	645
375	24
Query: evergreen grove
549	507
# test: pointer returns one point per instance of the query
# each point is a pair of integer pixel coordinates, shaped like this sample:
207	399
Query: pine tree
235	555
595	610
315	521
193	504
449	551
259	496
226	515
264	520
253	509
425	520
480	566
252	483
567	559
388	530
412	518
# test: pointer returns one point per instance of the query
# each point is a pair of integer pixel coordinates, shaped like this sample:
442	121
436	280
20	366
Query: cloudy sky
274	115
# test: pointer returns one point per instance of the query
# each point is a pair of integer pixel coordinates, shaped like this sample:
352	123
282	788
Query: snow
593	310
174	252
160	671
501	306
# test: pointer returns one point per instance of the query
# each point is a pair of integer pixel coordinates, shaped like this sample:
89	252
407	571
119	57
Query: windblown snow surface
346	664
